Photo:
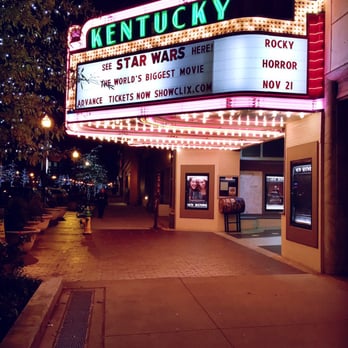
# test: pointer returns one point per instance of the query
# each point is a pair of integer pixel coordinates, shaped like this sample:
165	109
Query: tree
33	48
90	170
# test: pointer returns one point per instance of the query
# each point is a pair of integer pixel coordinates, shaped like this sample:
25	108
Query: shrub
16	289
16	214
35	206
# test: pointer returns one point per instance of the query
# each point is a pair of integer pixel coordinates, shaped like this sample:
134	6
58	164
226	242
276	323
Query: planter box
32	322
41	224
25	238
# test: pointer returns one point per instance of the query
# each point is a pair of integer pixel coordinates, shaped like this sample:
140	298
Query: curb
31	324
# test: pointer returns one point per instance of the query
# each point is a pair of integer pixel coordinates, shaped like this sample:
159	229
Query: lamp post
75	155
46	124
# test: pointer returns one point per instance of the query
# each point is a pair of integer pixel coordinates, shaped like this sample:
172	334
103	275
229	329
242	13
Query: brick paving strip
63	251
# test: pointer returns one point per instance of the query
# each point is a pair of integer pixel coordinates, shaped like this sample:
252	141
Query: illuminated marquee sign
184	17
247	62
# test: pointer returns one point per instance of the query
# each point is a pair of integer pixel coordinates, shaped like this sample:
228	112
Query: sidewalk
128	285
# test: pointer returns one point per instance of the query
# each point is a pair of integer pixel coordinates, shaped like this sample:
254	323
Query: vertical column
335	174
342	187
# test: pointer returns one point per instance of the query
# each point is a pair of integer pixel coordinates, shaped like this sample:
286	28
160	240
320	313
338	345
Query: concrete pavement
128	285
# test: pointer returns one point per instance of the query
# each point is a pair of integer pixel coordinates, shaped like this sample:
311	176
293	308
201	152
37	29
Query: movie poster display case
274	193
197	188
302	194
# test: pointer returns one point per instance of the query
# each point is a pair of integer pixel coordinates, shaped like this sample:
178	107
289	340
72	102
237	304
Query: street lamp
75	155
46	124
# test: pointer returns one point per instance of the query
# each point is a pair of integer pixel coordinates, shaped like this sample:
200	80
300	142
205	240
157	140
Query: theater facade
205	80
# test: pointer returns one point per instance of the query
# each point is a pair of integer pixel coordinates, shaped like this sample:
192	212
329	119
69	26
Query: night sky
283	9
107	6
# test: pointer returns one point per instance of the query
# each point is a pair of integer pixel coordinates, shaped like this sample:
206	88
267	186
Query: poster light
212	104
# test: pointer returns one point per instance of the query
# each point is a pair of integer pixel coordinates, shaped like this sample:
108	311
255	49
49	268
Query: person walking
101	201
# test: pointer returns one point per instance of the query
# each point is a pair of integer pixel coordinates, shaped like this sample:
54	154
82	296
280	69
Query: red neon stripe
316	55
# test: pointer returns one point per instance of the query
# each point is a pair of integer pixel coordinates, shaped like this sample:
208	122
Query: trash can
231	205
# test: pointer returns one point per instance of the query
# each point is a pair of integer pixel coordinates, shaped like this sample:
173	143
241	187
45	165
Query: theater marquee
171	56
277	64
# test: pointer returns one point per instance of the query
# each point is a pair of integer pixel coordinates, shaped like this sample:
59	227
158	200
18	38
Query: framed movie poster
302	194
197	191
274	192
